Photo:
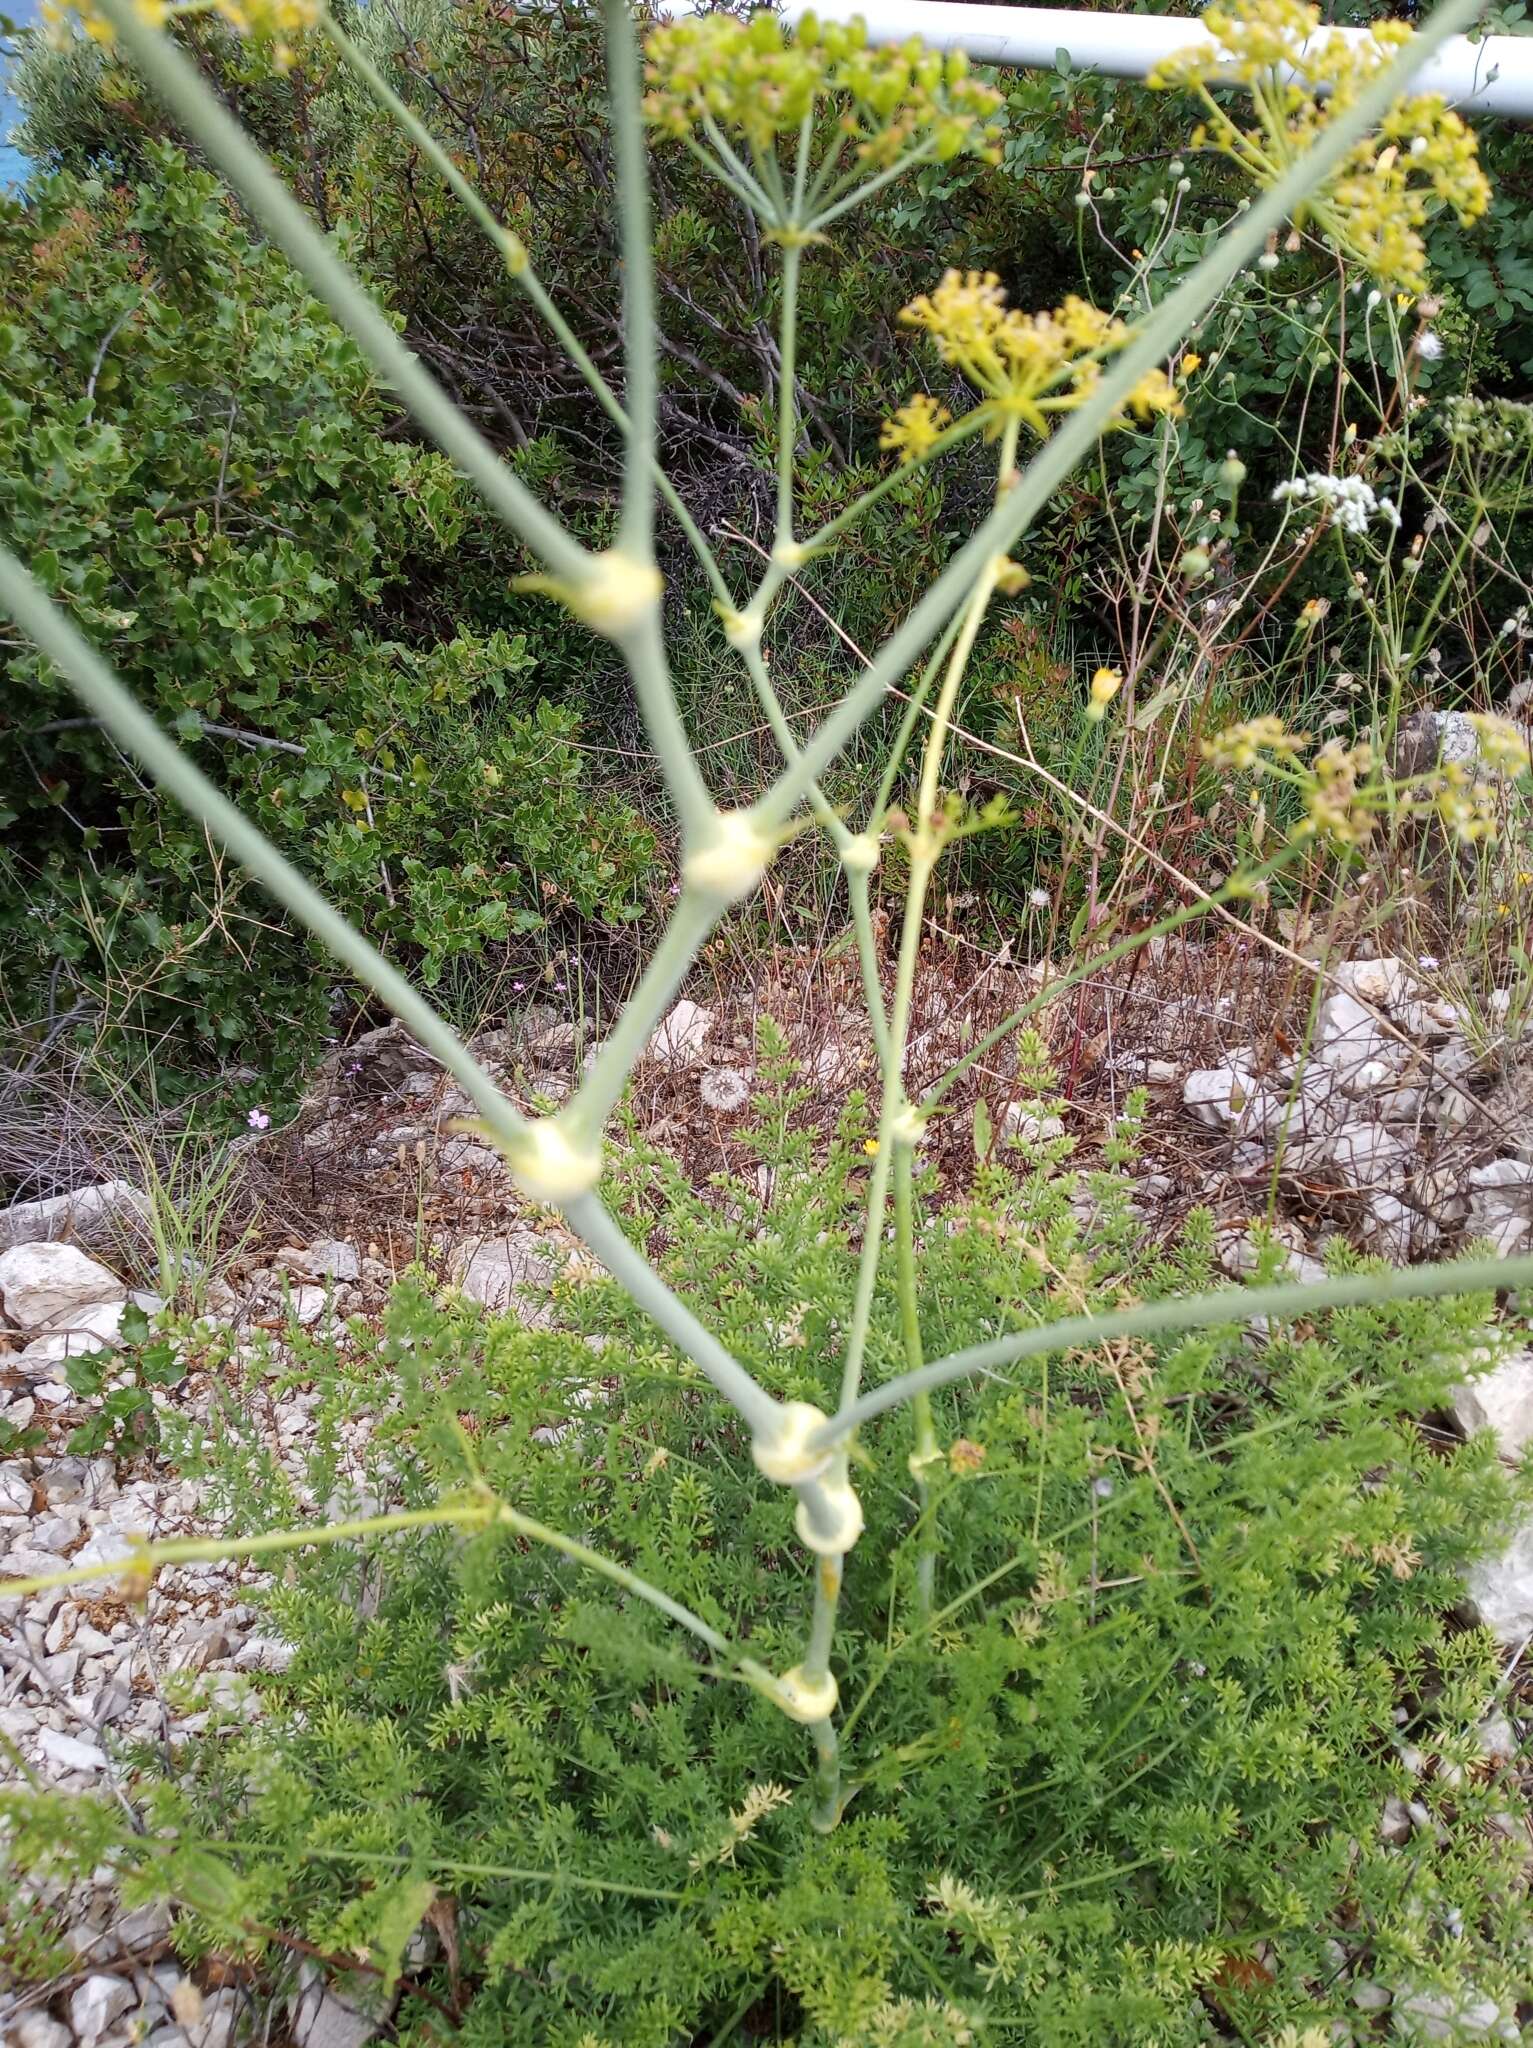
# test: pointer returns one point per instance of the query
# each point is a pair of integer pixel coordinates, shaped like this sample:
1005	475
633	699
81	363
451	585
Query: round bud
548	1167
785	1456
730	861
806	1699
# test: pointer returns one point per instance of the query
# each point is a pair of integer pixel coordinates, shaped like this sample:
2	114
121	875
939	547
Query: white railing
1492	76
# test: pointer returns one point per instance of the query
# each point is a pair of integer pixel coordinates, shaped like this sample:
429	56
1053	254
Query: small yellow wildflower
1314	611
915	428
1191	363
1502	745
1105	685
1334	806
870	1146
1029	366
1241	746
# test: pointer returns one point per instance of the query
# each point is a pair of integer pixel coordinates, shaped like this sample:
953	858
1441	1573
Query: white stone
1348	1040
1367	1155
1510	1177
329	2016
39	2030
1422	2016
98	2004
1384	983
1021	1120
70	1753
93	1328
331	1258
99	1217
1501	1401
495	1270
1499	1590
682	1035
1395	1824
1217	1095
306	1305
45	1285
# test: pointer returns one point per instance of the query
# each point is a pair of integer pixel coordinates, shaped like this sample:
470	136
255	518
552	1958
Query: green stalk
176	82
691	921
139	735
757	1408
1074	439
927	1453
94	683
787	393
639	348
513	253
1224	1306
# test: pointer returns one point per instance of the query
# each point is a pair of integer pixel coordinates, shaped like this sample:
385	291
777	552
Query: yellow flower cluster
275	23
915	428
1502	744
1375	205
757	79
1024	365
1241	747
1335	806
1464	805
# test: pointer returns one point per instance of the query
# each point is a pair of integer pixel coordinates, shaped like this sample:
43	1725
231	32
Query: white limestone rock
100	1218
1501	1401
1217	1095
1499	1590
45	1286
682	1035
495	1271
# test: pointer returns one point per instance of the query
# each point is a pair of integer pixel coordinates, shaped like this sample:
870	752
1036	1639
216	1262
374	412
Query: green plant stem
176	82
1223	1307
926	1453
637	529
138	733
512	251
1159	334
758	1409
644	651
787	393
690	922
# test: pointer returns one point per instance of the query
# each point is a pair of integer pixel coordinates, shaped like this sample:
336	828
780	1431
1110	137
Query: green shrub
206	473
1125	1786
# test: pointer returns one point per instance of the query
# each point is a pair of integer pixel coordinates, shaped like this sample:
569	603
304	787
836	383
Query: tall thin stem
176	82
639	332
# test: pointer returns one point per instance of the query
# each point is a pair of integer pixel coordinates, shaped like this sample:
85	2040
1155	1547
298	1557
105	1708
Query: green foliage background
289	564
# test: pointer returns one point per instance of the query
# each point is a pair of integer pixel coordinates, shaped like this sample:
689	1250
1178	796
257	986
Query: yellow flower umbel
276	24
760	80
1025	366
916	428
1375	204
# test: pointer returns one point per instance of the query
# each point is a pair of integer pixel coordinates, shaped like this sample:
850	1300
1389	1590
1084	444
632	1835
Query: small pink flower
517	987
258	1120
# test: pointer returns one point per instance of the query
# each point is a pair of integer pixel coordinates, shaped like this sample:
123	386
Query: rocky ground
1404	1125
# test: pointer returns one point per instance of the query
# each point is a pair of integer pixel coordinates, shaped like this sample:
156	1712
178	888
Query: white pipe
1494	76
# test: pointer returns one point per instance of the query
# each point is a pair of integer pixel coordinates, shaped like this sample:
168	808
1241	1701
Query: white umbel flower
1350	502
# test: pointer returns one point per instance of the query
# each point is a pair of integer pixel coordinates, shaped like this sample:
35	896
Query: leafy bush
208	475
1124	1785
